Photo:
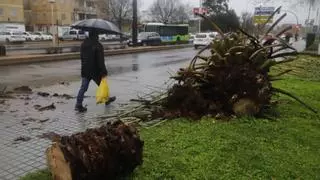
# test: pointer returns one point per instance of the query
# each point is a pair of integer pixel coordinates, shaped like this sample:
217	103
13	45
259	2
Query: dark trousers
85	82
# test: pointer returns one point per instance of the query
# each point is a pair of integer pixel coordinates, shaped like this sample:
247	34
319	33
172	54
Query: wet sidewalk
25	131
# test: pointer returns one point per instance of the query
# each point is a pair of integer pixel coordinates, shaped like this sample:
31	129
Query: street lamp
135	22
200	9
52	2
295	15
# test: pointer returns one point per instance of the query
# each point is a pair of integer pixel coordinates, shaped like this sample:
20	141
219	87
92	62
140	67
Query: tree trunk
108	152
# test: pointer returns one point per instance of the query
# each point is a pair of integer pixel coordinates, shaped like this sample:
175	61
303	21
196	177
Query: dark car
147	39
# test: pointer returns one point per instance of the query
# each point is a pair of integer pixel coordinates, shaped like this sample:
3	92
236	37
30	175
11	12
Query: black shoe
110	100
80	108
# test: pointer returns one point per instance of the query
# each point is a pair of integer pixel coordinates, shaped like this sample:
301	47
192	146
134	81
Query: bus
171	33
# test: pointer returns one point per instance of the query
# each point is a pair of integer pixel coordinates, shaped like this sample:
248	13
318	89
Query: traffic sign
262	14
200	10
261	11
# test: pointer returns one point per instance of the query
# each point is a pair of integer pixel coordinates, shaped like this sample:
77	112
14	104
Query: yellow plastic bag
102	95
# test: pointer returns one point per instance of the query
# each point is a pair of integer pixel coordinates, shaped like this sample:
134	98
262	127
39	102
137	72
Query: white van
73	35
203	39
12	37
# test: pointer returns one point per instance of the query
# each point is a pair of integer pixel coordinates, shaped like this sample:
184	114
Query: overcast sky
247	5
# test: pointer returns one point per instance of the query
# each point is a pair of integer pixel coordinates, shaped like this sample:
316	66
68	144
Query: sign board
262	14
200	10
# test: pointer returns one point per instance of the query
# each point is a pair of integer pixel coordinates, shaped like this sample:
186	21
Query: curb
314	54
14	60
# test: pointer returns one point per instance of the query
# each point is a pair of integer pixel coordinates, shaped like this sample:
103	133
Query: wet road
130	75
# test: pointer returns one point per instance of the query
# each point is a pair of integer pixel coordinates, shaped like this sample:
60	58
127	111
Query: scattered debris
44	120
47	108
64	83
50	136
2	101
36	128
144	115
43	94
27	121
7	96
61	102
25	89
22	139
24	123
66	96
37	106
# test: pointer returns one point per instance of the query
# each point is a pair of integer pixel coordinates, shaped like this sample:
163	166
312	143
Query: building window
1	11
82	16
89	4
63	16
14	12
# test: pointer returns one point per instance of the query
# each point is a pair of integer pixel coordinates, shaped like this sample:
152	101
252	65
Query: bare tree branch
120	11
169	11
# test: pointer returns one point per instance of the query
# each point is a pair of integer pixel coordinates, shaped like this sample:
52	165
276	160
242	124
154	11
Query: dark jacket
92	59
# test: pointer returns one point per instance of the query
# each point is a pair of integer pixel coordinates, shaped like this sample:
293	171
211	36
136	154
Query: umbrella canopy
99	25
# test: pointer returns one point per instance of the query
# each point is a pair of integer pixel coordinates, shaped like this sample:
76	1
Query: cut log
109	152
57	164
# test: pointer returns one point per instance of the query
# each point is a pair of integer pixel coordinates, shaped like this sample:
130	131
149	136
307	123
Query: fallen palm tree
234	79
108	152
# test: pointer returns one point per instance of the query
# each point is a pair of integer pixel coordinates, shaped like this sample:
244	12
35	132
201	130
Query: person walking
92	67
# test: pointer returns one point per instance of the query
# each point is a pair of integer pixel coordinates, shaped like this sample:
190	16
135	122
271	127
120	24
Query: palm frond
295	98
214	25
276	23
271	17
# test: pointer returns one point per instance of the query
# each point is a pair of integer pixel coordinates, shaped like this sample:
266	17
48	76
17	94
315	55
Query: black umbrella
99	25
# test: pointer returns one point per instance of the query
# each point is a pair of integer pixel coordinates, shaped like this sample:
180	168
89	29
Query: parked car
104	37
30	36
12	37
73	35
44	36
147	39
191	38
203	39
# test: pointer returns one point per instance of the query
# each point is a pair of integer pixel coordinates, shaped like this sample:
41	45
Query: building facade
85	9
65	12
36	15
11	15
42	12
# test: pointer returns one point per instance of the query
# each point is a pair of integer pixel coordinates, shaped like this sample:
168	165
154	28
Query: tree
247	22
216	6
227	21
220	13
120	10
169	11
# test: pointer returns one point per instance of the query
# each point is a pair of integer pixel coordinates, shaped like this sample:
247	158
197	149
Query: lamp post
200	9
295	15
135	22
52	2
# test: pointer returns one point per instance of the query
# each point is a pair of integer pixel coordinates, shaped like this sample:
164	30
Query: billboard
262	14
200	10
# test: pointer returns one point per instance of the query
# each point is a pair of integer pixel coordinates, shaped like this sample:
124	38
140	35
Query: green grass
40	175
287	147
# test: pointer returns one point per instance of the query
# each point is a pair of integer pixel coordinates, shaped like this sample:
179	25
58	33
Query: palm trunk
107	152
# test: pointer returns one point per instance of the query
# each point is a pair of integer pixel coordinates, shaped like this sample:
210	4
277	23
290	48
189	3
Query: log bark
109	152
